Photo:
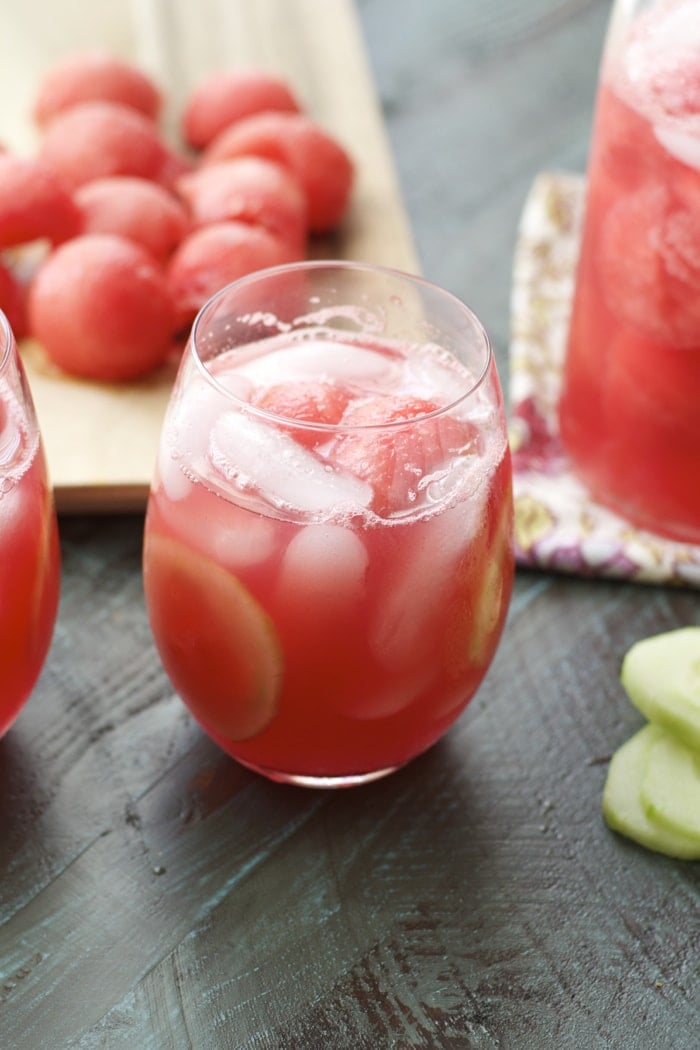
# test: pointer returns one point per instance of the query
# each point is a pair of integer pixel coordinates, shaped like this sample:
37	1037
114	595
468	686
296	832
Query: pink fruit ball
33	203
248	189
94	76
98	139
215	255
321	165
393	461
228	96
138	209
101	308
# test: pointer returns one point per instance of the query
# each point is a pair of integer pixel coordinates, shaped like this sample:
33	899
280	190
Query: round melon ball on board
101	308
227	96
138	209
34	204
322	166
214	255
97	139
93	76
248	189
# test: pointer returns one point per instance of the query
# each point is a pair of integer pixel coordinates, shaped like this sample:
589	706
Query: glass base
311	781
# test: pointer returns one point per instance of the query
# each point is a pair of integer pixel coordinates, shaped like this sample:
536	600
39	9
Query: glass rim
7	343
347	265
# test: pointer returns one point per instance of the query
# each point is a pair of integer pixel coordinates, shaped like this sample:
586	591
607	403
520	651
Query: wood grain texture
155	895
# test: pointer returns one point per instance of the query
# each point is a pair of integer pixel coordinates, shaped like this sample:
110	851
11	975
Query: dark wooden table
153	894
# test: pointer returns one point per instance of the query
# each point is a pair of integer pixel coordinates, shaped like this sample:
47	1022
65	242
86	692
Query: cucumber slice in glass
622	806
670	790
661	676
216	642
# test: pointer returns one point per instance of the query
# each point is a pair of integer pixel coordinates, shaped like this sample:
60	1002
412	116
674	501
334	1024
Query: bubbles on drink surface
17	445
332	428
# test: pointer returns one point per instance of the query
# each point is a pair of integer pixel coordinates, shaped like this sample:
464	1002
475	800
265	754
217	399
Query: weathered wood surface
155	895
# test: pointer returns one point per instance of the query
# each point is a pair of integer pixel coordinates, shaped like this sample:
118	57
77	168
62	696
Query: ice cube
403	625
255	455
175	482
325	564
240	538
433	374
194	408
681	144
323	359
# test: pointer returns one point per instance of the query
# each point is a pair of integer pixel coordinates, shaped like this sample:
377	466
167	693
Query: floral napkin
558	526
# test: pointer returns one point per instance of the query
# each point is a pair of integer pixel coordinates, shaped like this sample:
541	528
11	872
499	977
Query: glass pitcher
630	405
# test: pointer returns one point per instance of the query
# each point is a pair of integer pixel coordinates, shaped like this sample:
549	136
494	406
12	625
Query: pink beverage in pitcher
630	408
328	553
29	552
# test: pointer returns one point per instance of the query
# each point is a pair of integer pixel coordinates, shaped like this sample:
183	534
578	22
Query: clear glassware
629	413
29	549
328	552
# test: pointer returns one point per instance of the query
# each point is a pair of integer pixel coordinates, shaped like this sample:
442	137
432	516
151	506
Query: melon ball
138	209
33	203
230	95
94	76
248	189
213	256
101	308
98	139
323	168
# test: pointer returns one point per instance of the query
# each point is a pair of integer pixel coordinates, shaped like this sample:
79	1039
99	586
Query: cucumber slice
670	790
622	806
661	676
218	645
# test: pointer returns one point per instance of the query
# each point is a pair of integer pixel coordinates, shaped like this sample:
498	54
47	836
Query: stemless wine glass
328	543
29	551
629	412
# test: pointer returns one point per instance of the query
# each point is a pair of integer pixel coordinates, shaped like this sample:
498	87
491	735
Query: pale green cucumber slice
661	676
670	790
216	642
622	806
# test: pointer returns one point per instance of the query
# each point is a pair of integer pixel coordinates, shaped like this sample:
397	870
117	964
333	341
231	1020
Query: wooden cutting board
101	440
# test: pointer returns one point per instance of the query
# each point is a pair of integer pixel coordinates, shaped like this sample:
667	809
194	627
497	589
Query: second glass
29	549
328	551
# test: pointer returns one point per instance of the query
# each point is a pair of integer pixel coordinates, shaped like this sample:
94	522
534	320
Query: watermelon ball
321	165
100	307
252	190
174	166
98	139
214	255
393	460
34	205
12	301
94	76
138	209
306	401
231	95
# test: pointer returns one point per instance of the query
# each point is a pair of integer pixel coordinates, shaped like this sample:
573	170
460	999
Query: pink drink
29	553
327	591
630	414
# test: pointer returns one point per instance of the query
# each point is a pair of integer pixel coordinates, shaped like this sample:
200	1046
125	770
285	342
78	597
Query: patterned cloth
558	526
